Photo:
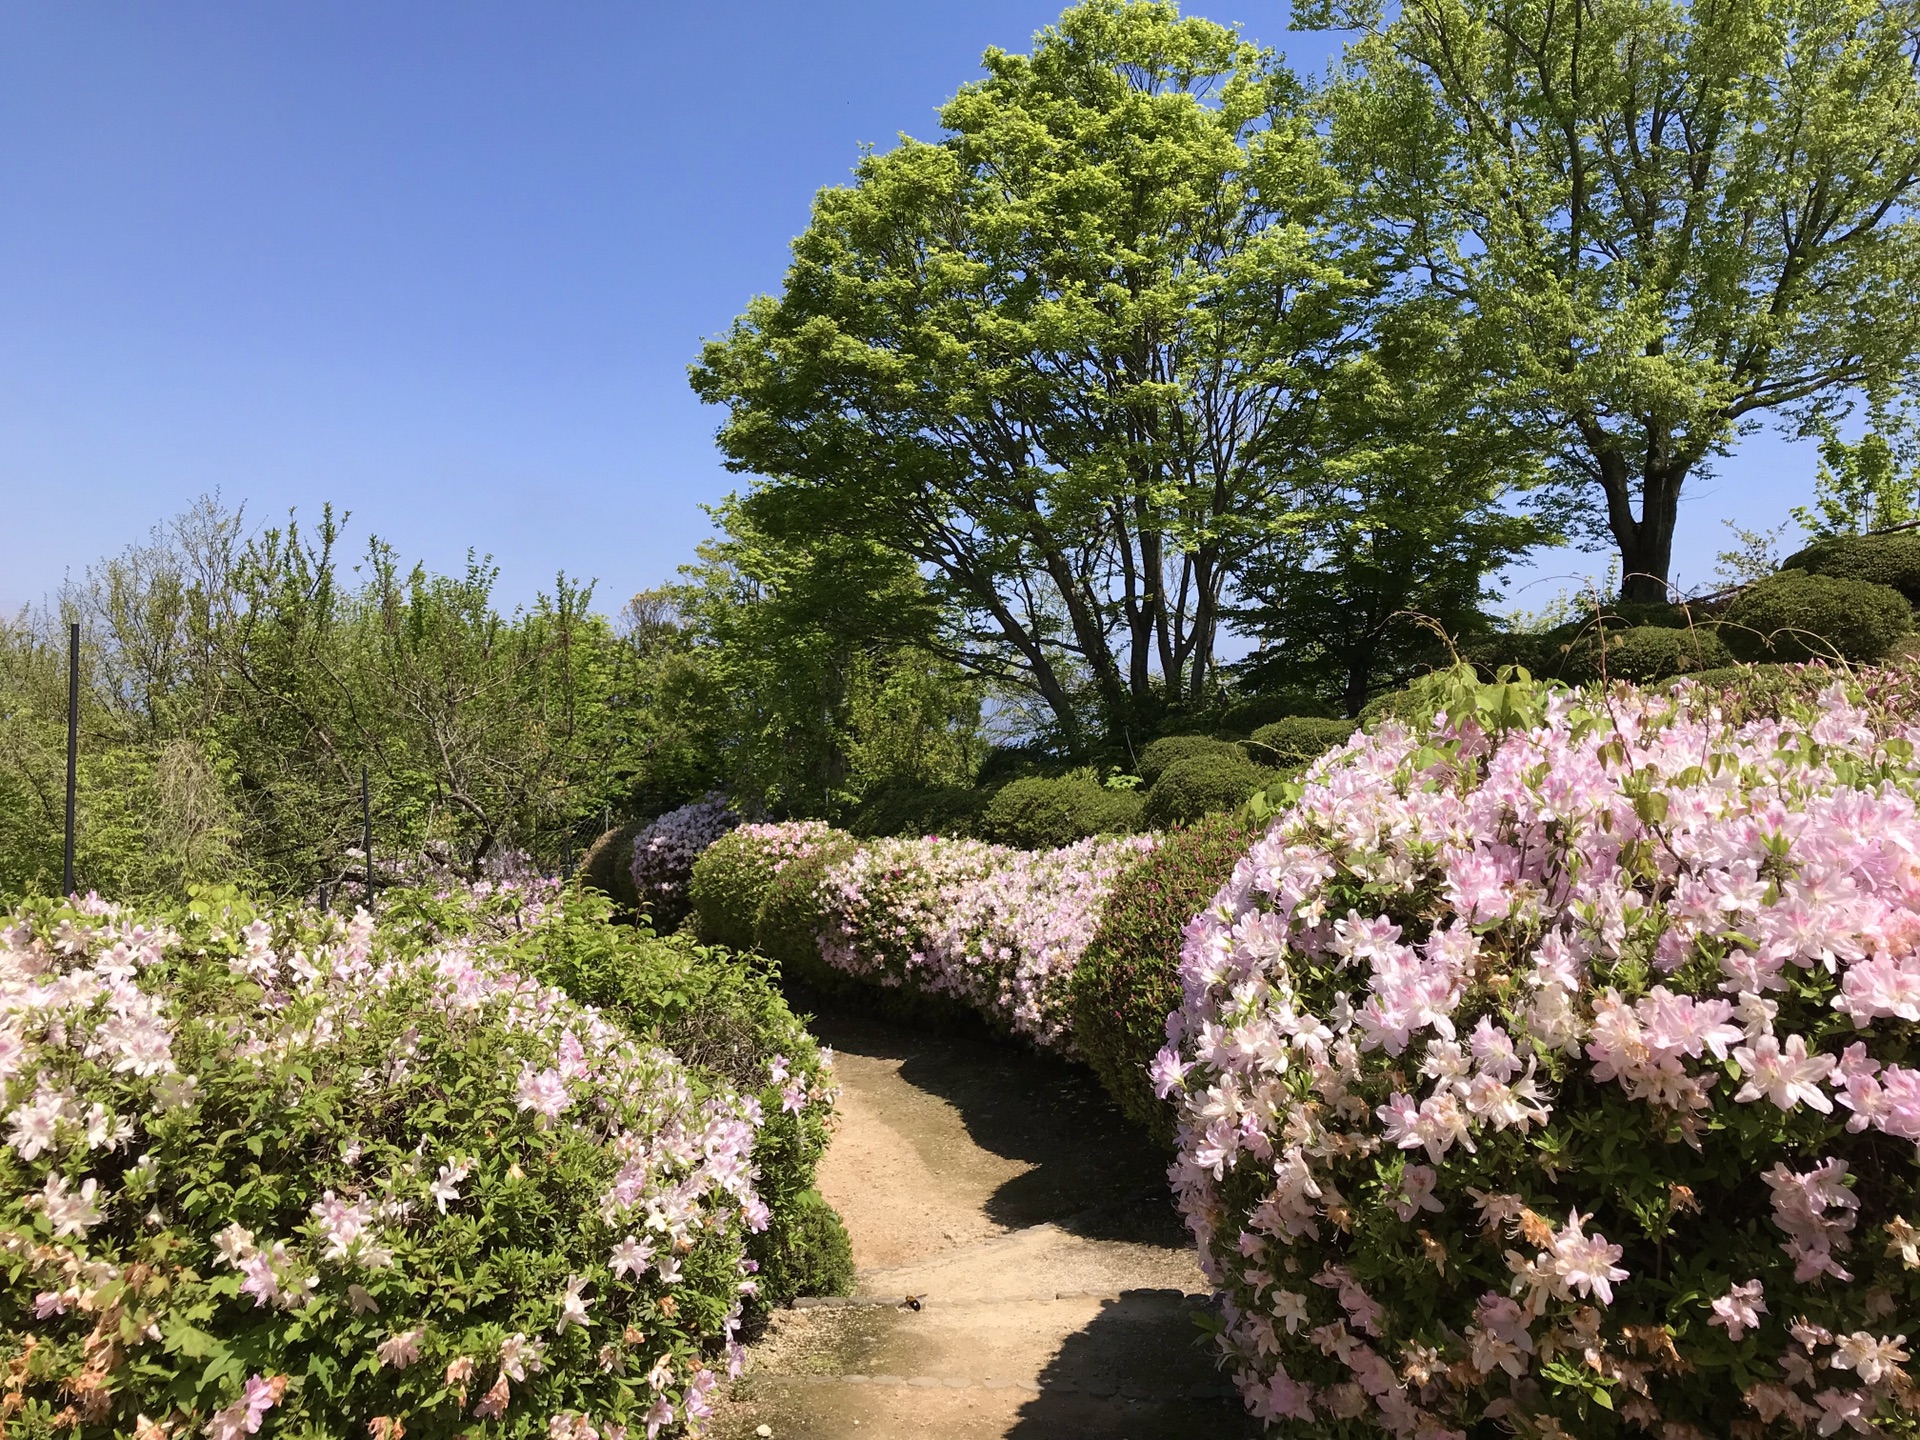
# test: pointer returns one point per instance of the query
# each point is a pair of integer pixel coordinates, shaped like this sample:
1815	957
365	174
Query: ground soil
1021	1270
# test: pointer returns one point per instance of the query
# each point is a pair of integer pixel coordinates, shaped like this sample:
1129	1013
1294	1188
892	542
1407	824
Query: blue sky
445	264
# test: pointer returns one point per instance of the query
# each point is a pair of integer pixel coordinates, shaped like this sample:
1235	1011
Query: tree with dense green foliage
1872	483
1069	360
1664	220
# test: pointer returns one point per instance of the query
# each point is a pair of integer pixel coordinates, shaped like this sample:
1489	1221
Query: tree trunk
1646	539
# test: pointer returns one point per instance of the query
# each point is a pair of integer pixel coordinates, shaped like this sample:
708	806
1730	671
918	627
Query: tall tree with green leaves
1069	359
1667	218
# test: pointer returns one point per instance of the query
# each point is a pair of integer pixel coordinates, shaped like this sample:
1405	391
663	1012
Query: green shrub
1299	740
1796	616
1189	789
901	807
1042	813
1128	982
793	915
1879	559
1644	653
1751	692
608	866
1416	703
1246	713
731	876
1169	750
810	1255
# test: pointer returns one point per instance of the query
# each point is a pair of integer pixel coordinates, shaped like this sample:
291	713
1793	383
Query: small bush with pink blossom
303	1174
664	853
1555	1070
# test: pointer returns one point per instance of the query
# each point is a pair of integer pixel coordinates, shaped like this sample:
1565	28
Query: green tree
1872	483
1069	359
1667	219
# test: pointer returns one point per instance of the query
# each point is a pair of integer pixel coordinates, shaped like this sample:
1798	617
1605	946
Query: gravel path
1056	1292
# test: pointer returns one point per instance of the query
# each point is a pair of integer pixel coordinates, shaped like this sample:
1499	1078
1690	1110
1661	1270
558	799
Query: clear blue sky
445	264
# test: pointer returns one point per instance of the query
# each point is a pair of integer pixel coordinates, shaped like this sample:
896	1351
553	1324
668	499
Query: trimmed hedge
902	808
1299	740
1046	813
1128	982
1201	786
1645	653
731	876
1879	559
793	915
1796	616
1158	756
608	866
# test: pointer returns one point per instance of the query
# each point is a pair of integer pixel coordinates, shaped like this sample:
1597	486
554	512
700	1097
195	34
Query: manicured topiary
608	866
731	876
1298	740
1128	982
1555	1070
1157	756
1189	789
1047	812
810	1255
793	915
1795	616
1881	559
900	807
1644	653
664	852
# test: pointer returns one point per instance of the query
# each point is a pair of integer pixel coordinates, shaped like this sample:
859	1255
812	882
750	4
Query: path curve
1057	1293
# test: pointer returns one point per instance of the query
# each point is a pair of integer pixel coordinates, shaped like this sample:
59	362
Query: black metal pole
366	832
73	749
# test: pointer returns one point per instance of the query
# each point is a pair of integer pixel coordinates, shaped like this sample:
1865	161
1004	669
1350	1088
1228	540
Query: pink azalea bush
664	853
320	1176
732	874
1558	1068
997	929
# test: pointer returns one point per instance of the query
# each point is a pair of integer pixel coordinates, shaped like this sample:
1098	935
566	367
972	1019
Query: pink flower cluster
664	852
997	929
101	1110
1609	957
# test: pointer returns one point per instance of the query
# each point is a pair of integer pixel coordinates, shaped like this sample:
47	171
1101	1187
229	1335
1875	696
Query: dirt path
1057	1294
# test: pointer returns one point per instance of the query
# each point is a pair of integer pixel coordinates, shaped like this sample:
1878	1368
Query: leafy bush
1299	740
664	852
1044	813
1203	785
903	808
1879	559
1557	1067
1158	756
723	1016
608	867
1643	653
793	915
1128	982
369	1179
731	876
1794	616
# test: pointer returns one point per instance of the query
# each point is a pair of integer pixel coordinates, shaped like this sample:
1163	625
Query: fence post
67	886
366	833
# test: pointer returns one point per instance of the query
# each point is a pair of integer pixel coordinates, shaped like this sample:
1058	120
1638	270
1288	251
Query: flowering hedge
360	1179
995	929
732	875
664	852
1558	1068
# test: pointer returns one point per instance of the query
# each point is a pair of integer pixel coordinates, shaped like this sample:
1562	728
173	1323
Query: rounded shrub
1046	812
1128	982
1557	1067
1795	616
900	807
1879	559
664	852
1157	756
793	915
731	876
340	1179
1189	789
1644	653
1299	740
608	866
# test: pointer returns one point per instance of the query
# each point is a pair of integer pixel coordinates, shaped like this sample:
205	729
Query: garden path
1057	1292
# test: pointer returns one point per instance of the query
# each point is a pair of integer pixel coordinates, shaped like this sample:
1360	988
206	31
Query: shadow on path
1089	1165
